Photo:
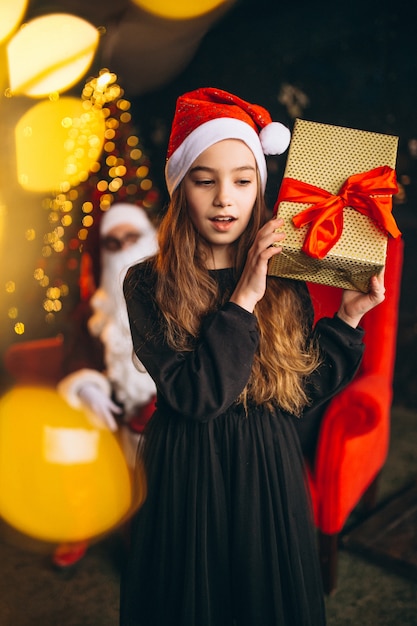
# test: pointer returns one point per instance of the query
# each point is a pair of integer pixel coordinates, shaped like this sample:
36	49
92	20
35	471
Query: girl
225	537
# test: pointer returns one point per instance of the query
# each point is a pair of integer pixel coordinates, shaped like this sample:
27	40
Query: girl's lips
222	224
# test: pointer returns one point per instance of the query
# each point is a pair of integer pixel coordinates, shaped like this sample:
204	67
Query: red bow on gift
369	193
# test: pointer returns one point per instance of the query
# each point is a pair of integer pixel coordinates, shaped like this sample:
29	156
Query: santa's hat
205	116
125	213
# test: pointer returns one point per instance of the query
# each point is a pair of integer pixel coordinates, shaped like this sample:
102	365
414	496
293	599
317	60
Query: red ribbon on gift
369	193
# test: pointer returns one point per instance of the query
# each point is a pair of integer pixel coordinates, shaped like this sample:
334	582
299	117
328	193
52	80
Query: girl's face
221	189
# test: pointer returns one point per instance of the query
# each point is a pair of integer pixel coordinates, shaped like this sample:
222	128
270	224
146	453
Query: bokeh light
179	9
10	15
61	479
48	235
57	141
50	54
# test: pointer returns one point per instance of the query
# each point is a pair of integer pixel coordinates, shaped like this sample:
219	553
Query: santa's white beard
109	322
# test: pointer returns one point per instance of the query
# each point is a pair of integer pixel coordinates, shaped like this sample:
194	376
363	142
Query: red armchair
353	439
36	362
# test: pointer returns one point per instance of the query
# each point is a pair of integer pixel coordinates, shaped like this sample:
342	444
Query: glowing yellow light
112	123
102	185
66	122
45	158
38	274
120	170
88	221
30	234
53	293
58	246
52	305
61	479
179	9
87	207
19	328
10	286
106	201
66	220
13	312
11	14
146	184
136	154
115	184
123	105
66	207
50	237
105	79
50	54
142	171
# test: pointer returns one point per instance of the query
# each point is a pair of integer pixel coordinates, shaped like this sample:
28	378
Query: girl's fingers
272	233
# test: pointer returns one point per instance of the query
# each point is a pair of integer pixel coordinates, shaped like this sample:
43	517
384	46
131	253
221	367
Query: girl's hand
252	283
355	304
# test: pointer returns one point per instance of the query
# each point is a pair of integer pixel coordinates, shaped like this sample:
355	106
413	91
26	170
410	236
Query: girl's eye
244	181
203	182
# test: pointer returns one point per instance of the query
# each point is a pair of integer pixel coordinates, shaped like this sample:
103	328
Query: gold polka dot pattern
325	156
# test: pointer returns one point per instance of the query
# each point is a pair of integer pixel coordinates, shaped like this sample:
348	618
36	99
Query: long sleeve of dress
203	383
341	349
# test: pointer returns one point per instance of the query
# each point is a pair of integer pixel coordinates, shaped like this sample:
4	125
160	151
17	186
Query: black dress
225	537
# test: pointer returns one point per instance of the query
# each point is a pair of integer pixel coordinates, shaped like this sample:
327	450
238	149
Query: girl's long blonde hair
185	293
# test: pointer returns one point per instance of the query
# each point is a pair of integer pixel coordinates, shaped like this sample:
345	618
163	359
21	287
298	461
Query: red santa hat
207	115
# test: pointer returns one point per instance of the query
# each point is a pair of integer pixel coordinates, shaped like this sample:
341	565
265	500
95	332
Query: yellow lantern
179	9
61	479
50	54
57	142
10	15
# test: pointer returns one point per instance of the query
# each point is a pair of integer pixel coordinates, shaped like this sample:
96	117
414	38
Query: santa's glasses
115	244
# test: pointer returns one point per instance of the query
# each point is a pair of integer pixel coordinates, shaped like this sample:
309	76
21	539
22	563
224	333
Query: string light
122	173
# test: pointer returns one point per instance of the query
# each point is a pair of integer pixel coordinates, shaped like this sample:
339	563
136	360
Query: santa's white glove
99	407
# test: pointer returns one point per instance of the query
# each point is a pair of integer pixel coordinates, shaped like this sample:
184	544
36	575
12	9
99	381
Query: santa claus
114	391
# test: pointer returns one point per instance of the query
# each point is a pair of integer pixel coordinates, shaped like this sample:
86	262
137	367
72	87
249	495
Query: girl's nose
223	197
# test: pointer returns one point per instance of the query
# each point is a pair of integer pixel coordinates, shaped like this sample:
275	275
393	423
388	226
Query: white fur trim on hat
205	136
124	213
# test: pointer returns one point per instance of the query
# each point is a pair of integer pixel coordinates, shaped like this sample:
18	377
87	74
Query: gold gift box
325	156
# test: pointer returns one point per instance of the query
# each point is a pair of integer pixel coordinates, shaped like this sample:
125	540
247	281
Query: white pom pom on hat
208	115
275	138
